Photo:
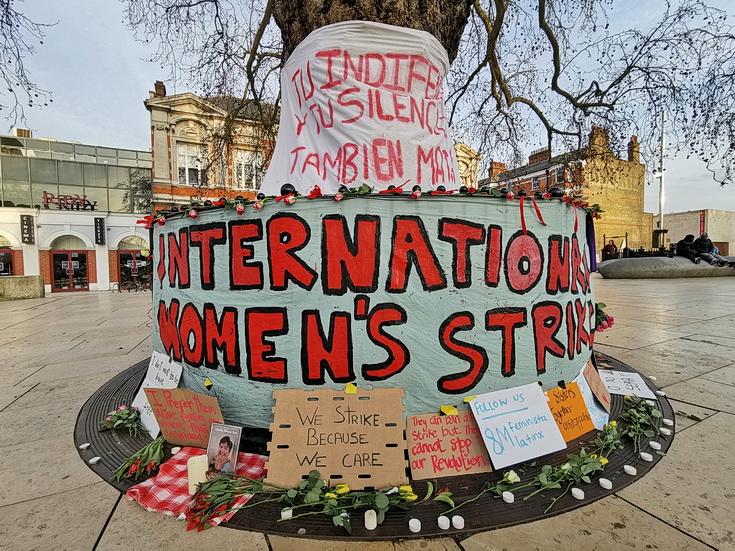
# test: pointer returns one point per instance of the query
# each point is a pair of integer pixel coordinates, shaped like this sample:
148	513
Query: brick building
596	173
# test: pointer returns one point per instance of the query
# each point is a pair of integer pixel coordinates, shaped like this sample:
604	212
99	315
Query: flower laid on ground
607	441
145	460
576	470
497	488
311	497
239	208
602	319
257	205
339	196
124	418
639	420
193	214
509	195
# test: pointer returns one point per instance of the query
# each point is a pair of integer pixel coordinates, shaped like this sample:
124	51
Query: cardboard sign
445	445
516	425
354	439
185	417
162	373
623	382
598	414
596	385
569	411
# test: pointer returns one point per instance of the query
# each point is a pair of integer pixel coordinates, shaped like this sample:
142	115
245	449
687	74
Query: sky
99	79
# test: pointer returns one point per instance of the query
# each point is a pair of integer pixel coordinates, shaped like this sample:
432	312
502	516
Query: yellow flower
330	495
410	497
604	460
593	456
405	489
613	423
341	489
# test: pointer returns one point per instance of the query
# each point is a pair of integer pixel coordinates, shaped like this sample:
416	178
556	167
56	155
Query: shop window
190	163
6	263
68	243
534	183
43	170
16	194
15	168
95	175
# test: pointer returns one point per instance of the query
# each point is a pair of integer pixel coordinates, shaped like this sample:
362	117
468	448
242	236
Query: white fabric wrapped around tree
363	103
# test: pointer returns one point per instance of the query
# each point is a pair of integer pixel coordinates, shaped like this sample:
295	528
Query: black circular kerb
486	513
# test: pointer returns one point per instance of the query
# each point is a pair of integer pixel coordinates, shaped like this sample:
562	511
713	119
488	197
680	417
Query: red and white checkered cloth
168	491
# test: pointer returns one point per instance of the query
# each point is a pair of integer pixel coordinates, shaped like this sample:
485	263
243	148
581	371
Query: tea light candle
606	484
197	472
631	470
371	519
286	513
577	493
458	522
508	497
443	522
414	525
654	445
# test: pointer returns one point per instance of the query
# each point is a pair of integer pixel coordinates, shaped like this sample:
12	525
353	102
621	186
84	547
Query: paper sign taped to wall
162	373
570	411
516	425
185	416
624	382
445	445
355	439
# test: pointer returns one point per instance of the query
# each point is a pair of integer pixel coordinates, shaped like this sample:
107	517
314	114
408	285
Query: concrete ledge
660	267
17	287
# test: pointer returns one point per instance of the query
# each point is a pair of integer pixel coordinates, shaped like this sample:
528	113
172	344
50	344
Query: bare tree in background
18	39
523	71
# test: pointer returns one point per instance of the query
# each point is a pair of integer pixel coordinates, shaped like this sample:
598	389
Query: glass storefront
56	175
69	271
6	263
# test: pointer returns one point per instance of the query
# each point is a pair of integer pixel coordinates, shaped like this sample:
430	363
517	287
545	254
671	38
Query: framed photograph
222	450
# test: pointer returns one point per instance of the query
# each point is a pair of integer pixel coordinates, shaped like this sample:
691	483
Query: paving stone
693	487
71	392
10	394
635	334
42	467
604	525
676	360
132	527
66	520
38	423
437	544
704	393
279	543
725	376
688	415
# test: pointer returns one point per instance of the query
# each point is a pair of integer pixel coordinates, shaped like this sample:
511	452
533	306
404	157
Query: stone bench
660	267
17	287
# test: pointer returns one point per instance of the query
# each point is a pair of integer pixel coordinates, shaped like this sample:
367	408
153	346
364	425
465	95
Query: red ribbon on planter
148	221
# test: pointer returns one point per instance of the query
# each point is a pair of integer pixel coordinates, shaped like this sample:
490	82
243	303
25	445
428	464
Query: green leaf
429	490
292	493
445	498
313	474
382	501
346	524
312	497
337	520
381	516
586	479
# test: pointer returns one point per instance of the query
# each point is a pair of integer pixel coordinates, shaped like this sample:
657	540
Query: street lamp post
661	182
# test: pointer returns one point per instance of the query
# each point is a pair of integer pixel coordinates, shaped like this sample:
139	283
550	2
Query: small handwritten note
624	382
569	411
354	439
162	373
516	425
185	416
599	416
596	385
445	445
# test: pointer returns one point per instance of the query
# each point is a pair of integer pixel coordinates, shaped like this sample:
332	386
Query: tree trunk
445	19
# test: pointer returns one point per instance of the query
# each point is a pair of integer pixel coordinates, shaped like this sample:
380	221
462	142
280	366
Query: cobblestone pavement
58	350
